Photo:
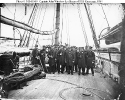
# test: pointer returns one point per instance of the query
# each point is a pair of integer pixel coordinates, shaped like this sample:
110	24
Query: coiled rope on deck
77	86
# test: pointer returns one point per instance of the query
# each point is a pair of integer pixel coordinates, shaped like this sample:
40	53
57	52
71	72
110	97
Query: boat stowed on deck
68	87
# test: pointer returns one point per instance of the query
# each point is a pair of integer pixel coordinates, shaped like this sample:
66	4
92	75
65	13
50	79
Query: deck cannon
16	70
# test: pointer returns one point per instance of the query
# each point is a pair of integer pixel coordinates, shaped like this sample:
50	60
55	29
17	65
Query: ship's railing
25	59
20	61
108	63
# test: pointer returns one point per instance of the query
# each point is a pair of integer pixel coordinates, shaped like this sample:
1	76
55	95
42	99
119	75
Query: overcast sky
70	24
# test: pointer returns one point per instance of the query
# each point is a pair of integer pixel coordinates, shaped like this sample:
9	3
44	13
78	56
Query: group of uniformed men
64	59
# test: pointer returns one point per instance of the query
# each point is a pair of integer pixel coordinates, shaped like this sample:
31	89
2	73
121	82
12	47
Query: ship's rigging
57	28
29	27
91	25
56	35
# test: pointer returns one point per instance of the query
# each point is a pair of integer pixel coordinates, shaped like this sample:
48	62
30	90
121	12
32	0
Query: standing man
52	57
15	60
66	63
81	61
56	51
42	58
76	59
35	55
90	60
70	60
61	54
58	59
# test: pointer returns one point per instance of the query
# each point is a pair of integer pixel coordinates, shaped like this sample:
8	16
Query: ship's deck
67	87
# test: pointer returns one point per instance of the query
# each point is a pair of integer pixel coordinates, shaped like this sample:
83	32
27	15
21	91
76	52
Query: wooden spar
25	9
91	26
57	24
122	61
21	25
7	38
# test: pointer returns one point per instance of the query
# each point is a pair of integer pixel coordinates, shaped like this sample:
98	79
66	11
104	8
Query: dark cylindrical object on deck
6	64
1	64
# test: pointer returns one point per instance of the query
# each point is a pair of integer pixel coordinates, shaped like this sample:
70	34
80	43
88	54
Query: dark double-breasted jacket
52	56
90	58
70	58
81	59
61	56
35	55
42	54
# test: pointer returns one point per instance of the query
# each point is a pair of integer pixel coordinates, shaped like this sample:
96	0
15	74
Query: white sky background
69	17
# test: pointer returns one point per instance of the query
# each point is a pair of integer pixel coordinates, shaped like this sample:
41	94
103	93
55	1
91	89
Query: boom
21	25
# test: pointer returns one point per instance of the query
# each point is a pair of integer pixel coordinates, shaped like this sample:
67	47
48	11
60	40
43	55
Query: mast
0	23
91	25
122	60
82	25
57	23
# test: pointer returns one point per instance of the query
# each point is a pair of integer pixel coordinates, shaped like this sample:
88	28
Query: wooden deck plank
64	78
65	85
33	92
50	87
22	92
93	85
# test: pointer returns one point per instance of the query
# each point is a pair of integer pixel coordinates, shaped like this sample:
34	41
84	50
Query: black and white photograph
62	51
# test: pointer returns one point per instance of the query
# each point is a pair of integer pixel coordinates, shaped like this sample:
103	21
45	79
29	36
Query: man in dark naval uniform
70	60
57	59
35	55
81	61
15	60
61	54
90	60
52	57
42	58
76	59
